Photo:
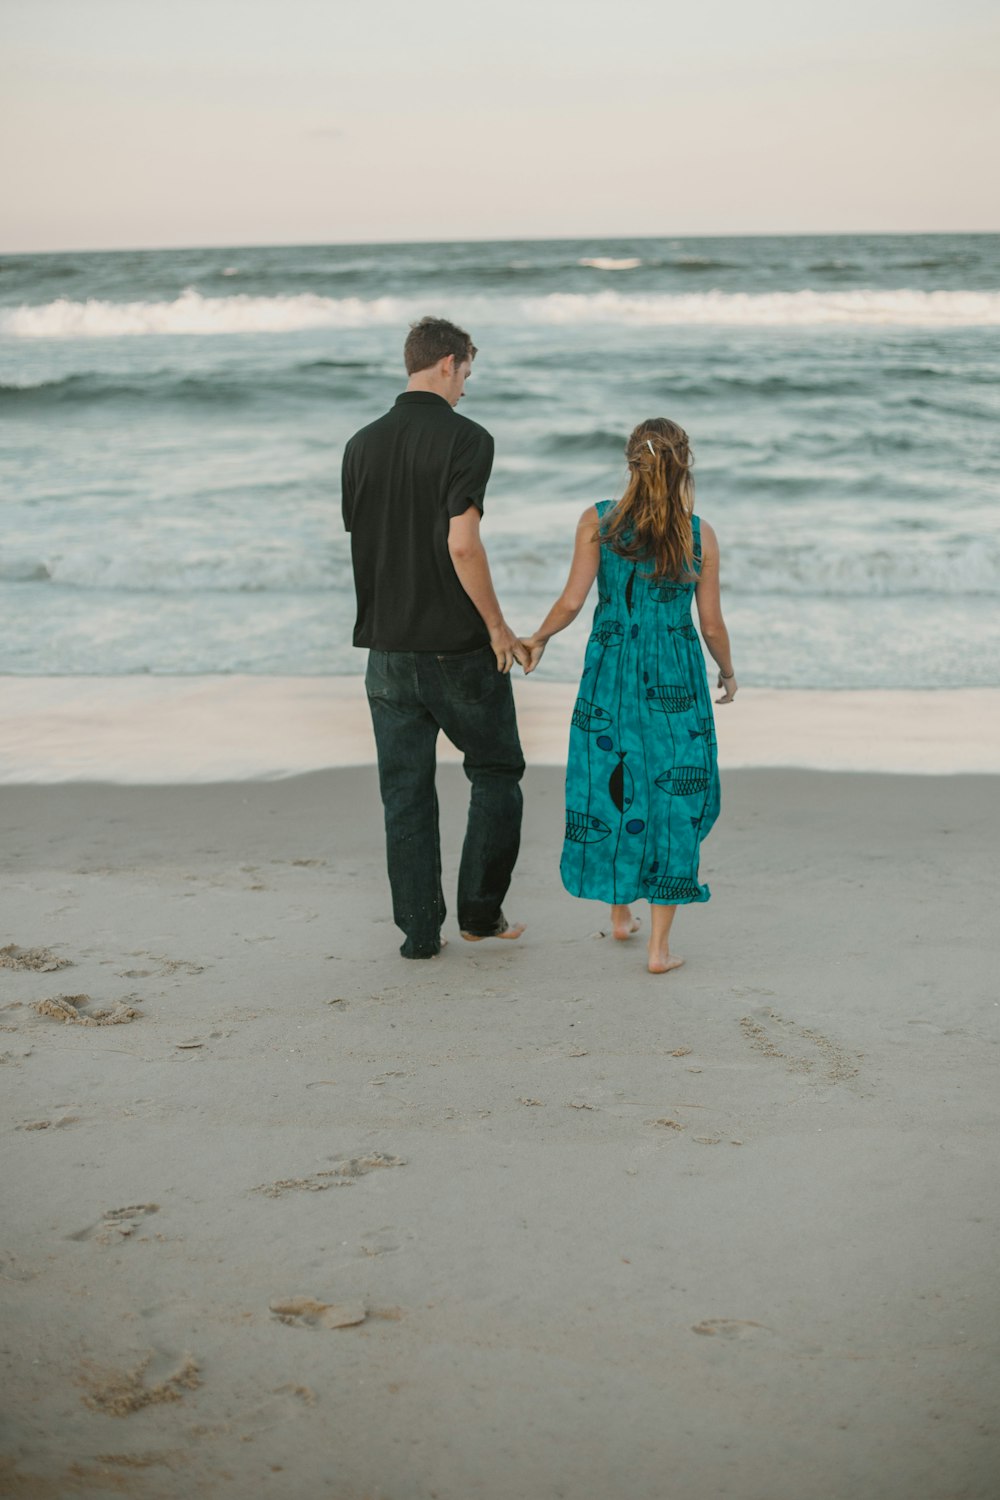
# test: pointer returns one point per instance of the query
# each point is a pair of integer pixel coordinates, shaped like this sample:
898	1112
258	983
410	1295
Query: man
440	650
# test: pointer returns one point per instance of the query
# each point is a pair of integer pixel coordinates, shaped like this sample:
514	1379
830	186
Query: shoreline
148	730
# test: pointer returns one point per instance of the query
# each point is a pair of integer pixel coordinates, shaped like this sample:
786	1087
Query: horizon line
329	244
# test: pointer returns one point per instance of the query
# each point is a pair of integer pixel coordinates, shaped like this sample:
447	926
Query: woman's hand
729	686
533	649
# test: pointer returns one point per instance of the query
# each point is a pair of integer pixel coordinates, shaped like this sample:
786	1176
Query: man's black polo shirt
404	477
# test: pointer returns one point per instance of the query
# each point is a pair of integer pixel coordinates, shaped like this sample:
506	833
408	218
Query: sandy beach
287	1216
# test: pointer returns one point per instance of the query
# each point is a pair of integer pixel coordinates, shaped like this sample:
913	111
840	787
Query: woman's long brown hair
652	520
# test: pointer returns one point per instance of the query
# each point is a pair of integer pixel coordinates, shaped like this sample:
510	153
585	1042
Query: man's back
441	650
405	476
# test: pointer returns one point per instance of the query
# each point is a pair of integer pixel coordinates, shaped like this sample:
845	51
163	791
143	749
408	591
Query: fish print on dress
590	716
669	698
582	828
609	634
667	593
671	890
685	781
621	787
705	731
642	777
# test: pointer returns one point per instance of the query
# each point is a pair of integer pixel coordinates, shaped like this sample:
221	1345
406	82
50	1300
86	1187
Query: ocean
173	421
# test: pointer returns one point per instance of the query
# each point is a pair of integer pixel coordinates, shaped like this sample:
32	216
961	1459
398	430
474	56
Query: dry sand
286	1216
154	730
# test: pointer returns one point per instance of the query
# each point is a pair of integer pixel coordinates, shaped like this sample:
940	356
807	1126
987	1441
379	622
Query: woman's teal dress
642	779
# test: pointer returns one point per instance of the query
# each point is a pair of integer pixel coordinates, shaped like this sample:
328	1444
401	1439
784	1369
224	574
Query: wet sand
287	1216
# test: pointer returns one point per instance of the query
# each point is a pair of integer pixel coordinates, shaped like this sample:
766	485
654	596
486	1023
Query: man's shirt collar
421	398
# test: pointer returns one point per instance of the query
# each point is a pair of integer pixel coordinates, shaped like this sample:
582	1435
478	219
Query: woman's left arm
582	572
713	626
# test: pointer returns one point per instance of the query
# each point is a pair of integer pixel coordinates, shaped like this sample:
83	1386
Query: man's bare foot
512	932
623	924
662	963
422	957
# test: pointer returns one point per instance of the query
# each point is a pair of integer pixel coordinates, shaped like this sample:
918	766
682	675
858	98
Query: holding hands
533	647
507	648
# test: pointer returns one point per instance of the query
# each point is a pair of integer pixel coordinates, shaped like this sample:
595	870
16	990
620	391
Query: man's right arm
472	566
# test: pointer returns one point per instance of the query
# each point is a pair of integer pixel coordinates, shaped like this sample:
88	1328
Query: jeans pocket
470	676
377	675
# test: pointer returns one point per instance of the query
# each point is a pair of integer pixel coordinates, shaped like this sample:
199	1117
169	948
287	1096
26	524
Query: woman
642	782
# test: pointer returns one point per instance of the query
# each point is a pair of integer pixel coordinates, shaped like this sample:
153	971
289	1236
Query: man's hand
533	649
506	647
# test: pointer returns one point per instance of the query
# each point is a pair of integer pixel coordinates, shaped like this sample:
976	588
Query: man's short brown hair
433	339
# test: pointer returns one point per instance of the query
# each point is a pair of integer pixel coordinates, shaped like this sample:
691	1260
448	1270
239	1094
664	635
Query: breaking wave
608	263
194	314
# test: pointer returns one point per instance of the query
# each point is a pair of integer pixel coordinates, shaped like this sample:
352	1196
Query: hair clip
650	447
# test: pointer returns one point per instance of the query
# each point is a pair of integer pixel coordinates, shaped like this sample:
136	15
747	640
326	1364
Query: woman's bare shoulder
709	540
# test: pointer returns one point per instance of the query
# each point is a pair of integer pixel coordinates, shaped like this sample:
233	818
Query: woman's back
642	781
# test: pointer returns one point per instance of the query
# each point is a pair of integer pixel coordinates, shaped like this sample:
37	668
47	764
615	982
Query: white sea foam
192	313
895	306
608	263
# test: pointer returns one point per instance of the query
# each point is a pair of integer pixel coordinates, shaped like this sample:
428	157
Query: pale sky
144	123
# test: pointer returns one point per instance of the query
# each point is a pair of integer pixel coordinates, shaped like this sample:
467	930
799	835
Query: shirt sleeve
347	489
470	473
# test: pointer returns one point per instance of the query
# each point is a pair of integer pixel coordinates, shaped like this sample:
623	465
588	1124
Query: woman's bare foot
512	932
661	960
623	924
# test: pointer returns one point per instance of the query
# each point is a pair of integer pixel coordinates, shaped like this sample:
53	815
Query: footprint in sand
117	1224
74	1010
40	960
800	1048
303	1393
119	1393
305	1312
384	1241
344	1174
169	965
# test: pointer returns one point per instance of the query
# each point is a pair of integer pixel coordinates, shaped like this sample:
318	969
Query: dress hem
619	900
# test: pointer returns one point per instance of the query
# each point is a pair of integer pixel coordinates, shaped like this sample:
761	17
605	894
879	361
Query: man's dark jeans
413	695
